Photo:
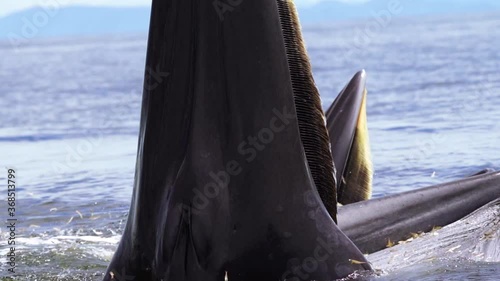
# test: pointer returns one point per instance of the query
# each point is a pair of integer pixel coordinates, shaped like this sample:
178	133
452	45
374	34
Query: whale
374	224
240	174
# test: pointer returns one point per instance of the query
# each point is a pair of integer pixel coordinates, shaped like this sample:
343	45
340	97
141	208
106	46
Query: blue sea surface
70	113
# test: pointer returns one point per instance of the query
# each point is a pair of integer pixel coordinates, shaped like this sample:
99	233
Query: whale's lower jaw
376	224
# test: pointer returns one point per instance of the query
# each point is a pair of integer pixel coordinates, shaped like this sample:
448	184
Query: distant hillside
76	21
332	10
38	22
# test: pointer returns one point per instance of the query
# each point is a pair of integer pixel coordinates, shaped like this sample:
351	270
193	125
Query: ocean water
70	112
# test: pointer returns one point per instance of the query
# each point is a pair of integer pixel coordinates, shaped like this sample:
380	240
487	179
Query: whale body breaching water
239	171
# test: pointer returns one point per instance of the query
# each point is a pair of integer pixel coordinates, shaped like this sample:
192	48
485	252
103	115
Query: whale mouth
234	168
